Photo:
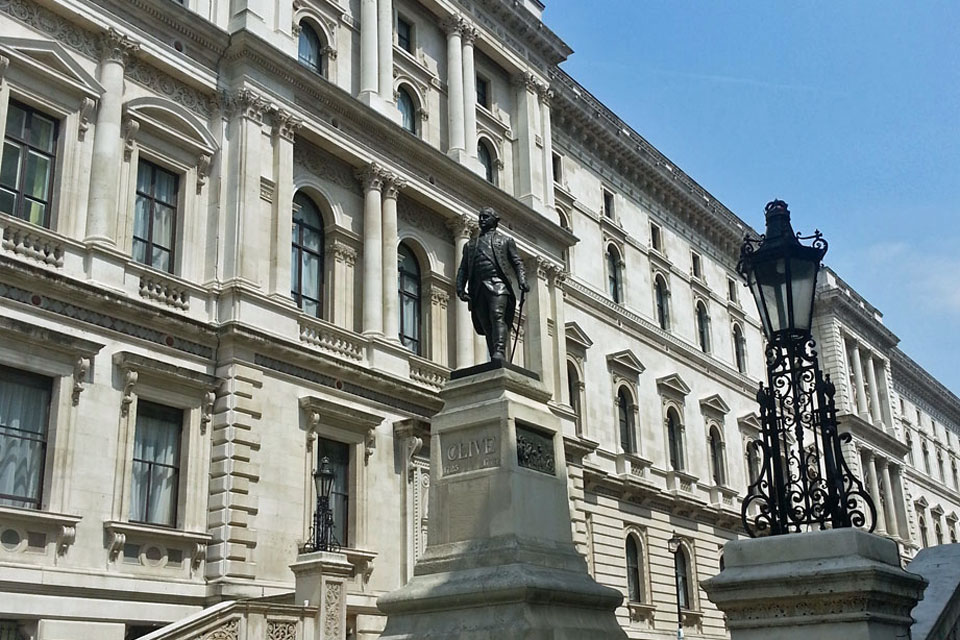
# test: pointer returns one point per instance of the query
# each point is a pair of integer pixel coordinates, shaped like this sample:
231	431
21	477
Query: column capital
343	252
530	82
546	94
245	102
462	226
392	185
439	296
453	25
117	47
285	124
371	176
469	33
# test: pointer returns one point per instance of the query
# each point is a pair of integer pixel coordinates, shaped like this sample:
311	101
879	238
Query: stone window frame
610	243
496	154
693	613
735	326
193	392
334	420
324	18
420	114
69	95
186	151
673	392
645	608
67	361
578	407
663	275
706	345
339	244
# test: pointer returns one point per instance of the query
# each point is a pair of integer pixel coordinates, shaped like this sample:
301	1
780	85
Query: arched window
634	570
703	327
953	534
408	110
723	564
909	442
485	156
573	391
409	299
306	259
956	477
926	457
717	457
753	462
683	578
923	531
614	275
310	52
625	422
739	349
674	440
660	298
943	474
938	532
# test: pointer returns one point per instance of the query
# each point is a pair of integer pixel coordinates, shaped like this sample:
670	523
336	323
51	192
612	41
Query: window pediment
922	502
49	59
361	424
575	334
167	119
750	422
673	384
625	363
714	404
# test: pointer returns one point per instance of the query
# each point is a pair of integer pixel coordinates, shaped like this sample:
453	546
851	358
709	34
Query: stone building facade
229	241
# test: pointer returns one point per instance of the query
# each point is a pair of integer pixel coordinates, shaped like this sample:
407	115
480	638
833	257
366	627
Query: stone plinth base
500	562
320	582
843	584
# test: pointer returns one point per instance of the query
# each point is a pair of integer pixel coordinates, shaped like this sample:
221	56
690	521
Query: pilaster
343	296
539	352
285	127
529	188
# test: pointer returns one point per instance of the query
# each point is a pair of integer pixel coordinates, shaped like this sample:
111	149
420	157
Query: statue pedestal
320	581
500	560
841	584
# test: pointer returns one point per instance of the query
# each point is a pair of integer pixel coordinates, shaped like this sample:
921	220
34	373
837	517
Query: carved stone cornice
117	47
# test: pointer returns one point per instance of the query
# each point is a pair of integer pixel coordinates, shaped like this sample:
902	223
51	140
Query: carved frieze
325	165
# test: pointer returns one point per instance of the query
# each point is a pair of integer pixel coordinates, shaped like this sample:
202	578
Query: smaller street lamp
674	544
323	538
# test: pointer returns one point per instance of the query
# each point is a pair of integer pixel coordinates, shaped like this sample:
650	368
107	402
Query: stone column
873	486
462	228
546	95
372	178
858	380
469	35
876	415
455	100
839	583
900	509
891	505
285	127
391	275
529	187
369	65
385	45
115	50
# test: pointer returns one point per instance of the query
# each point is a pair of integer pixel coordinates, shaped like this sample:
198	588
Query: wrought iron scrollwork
804	482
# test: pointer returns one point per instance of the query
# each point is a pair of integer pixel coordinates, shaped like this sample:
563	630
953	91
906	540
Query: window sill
120	532
64	525
641	611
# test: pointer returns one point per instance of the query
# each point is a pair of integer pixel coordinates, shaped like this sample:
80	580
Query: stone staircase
937	616
258	619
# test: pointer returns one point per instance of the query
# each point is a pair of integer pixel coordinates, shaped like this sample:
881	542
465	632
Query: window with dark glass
717	458
27	164
608	204
660	299
731	290
485	156
409	300
404	34
614	284
926	458
557	168
675	440
483	92
24	418
938	532
923	531
753	462
696	265
306	259
408	110
156	464
703	327
634	573
683	578
339	455
310	50
627	439
739	349
655	239
573	392
155	217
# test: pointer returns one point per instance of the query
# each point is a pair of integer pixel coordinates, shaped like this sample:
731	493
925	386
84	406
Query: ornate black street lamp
322	538
804	482
674	544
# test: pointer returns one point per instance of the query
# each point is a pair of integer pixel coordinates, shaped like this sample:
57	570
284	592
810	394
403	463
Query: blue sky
849	111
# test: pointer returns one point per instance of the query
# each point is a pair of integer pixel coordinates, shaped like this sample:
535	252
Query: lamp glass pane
772	278
804	276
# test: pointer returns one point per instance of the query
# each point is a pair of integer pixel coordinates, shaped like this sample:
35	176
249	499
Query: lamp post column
676	582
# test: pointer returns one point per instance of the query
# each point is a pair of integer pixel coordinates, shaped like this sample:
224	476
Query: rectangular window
27	164
156	464
404	35
155	218
656	241
24	416
483	92
339	455
696	266
557	168
731	290
608	204
919	423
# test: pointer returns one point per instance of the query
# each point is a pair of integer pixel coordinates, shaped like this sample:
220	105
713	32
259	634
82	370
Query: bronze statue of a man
484	284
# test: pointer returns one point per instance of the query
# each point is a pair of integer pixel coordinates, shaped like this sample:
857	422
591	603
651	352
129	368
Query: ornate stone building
229	239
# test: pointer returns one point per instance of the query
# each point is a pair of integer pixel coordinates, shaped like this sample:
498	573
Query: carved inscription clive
469	450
